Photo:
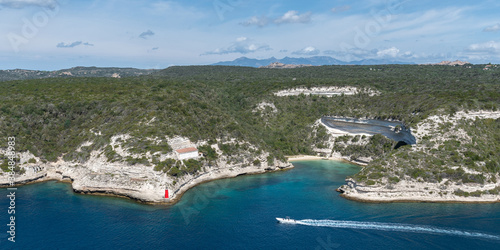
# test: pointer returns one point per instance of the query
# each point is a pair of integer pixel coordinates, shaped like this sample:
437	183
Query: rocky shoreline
141	183
147	187
411	190
403	192
407	191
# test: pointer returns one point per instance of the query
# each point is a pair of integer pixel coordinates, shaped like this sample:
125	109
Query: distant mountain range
315	61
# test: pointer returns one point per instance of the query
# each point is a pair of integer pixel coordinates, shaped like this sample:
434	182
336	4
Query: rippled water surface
240	213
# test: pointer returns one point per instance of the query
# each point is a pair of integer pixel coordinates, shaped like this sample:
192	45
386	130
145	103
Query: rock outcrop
417	189
138	181
450	63
278	65
327	91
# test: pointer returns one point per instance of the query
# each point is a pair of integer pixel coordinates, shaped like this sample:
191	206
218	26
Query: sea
240	213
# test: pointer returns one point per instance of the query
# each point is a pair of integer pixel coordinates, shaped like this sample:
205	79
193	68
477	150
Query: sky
59	34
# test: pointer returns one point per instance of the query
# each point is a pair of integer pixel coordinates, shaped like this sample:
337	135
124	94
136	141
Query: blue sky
50	34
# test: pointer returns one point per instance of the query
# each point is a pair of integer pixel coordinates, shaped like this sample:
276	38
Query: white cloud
354	54
419	24
162	6
307	51
341	9
258	21
390	52
493	28
482	52
17	4
487	47
293	17
407	54
241	39
242	45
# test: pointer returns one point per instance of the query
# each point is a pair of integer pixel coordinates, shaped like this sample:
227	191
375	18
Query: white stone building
187	153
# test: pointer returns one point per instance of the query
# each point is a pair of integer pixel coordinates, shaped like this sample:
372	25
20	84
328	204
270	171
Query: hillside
107	132
23	74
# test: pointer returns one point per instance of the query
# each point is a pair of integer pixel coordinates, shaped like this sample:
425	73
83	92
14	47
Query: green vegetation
166	165
448	160
4	166
137	145
208	152
22	74
178	168
133	160
111	154
460	192
52	117
192	166
378	145
370	182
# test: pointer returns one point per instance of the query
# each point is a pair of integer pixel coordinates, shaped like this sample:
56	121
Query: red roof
186	150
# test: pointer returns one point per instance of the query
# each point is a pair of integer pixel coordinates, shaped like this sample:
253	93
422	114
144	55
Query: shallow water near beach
240	213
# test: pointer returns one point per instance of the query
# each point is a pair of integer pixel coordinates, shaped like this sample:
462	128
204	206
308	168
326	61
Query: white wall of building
188	155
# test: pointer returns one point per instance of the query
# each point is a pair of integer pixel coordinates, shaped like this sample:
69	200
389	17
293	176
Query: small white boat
286	220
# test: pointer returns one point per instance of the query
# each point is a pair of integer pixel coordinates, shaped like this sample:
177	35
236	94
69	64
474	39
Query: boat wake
394	227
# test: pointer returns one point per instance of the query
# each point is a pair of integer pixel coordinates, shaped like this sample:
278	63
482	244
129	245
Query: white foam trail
394	227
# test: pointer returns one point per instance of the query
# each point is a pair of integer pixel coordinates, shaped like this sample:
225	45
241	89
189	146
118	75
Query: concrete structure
186	153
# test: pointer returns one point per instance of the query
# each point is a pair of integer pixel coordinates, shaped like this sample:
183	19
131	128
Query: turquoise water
240	213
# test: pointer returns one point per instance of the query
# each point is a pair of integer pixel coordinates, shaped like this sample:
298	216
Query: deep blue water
240	213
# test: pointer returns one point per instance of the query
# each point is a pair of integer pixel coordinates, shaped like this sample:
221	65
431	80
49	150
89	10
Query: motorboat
286	220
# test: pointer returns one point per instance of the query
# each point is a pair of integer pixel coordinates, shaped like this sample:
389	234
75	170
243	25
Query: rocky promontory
140	182
431	177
